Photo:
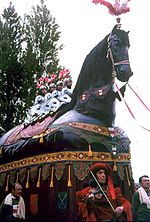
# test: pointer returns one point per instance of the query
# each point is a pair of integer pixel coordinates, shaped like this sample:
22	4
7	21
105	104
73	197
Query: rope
130	111
139	97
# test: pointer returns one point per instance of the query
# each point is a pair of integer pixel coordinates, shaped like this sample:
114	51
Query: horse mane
96	70
92	69
95	67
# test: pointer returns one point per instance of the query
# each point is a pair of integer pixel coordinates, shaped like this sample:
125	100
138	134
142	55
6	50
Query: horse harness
110	55
100	92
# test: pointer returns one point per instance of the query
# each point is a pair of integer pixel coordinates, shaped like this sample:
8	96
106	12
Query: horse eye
117	43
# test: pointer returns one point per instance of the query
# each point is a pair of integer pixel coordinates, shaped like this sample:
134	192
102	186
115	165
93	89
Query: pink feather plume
117	8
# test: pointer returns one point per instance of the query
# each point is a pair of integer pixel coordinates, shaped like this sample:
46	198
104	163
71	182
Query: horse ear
114	29
128	32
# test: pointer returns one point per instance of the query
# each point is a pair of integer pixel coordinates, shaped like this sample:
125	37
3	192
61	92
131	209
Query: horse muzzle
124	72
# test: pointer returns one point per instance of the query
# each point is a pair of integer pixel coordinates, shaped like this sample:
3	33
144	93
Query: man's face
60	87
101	176
145	183
69	84
52	88
17	191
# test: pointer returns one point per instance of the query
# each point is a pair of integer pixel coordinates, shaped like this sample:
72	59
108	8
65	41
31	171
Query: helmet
66	80
52	85
59	83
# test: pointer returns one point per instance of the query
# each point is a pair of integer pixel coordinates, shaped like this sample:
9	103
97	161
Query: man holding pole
100	201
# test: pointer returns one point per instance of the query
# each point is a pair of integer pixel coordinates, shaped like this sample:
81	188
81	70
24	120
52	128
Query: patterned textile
12	175
59	170
62	200
80	170
22	174
34	203
33	173
2	178
120	172
45	171
31	130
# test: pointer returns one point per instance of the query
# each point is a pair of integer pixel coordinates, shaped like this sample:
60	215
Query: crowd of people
60	87
99	201
59	93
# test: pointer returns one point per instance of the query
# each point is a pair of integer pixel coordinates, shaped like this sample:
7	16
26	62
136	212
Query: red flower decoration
61	74
47	80
42	83
41	79
53	76
38	86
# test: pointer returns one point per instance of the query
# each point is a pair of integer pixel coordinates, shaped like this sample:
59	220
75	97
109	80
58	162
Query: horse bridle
110	55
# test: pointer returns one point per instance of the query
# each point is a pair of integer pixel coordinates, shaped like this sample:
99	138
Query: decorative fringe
52	177
17	177
115	166
7	182
69	177
39	177
41	139
127	176
28	175
90	151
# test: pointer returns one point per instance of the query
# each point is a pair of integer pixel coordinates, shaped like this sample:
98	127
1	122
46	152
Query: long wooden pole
102	191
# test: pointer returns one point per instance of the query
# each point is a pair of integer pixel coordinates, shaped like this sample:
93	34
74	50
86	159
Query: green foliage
11	77
42	35
26	46
41	51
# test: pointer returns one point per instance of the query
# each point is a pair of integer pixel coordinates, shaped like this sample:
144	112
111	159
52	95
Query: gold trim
65	156
7	183
101	130
39	178
69	177
127	176
28	176
90	127
52	177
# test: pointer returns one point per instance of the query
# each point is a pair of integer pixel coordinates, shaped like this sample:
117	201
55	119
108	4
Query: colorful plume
116	9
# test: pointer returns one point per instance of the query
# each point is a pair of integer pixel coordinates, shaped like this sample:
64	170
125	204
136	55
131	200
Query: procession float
66	131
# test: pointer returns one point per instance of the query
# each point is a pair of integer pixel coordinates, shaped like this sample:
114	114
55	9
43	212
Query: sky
83	25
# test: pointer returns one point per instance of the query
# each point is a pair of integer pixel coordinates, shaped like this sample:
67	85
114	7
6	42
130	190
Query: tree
27	47
42	32
42	50
11	77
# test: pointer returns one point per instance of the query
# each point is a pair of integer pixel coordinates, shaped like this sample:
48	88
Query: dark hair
140	179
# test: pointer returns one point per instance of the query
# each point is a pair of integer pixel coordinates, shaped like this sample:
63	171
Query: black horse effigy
94	95
89	118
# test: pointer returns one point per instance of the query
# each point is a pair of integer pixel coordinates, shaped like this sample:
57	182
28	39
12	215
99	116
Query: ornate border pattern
65	156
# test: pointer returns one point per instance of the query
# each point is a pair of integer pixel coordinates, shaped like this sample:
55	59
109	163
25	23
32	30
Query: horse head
118	45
